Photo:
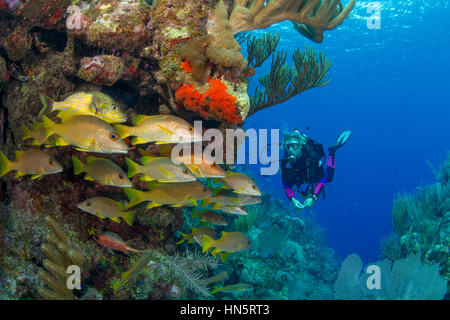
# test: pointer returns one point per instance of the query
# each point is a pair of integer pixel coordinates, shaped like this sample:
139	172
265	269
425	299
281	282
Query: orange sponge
215	103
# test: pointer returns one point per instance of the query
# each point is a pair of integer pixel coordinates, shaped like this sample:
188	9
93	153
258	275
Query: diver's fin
341	140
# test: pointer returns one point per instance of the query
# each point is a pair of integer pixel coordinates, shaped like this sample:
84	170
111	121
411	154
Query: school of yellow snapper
89	121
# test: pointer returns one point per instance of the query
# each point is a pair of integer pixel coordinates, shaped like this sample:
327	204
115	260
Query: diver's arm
288	190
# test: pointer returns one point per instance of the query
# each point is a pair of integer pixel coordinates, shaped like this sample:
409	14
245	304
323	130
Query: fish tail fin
5	164
26	132
184	235
78	166
215	289
135	196
47	105
133	167
208	242
48	125
129	217
123	131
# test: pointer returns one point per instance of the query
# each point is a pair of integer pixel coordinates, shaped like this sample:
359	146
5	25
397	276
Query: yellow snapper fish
200	166
161	129
240	183
93	103
233	288
212	217
86	133
217	278
197	232
229	242
101	170
225	198
174	194
131	274
161	169
232	210
103	207
33	161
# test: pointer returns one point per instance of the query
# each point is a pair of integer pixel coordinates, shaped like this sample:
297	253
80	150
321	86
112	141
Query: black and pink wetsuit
308	171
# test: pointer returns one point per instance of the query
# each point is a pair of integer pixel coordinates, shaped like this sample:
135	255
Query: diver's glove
296	203
310	201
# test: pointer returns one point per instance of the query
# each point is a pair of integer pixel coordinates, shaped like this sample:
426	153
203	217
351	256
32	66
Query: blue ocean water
390	86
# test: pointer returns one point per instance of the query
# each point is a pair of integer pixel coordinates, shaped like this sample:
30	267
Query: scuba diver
304	164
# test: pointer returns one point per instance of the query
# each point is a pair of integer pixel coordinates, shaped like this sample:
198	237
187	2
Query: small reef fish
229	242
103	207
131	274
161	129
33	161
211	217
233	210
101	170
197	232
174	194
94	103
86	133
217	278
240	183
233	288
161	169
229	198
201	167
113	241
37	133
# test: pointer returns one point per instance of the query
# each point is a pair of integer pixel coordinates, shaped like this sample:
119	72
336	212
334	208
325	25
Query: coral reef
421	224
163	56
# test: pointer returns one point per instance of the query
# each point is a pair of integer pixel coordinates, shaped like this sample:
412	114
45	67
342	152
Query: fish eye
114	108
254	187
88	203
190	128
185	171
120	176
113	136
50	162
214	164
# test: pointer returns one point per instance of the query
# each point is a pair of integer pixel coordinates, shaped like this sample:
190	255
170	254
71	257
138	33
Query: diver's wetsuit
307	170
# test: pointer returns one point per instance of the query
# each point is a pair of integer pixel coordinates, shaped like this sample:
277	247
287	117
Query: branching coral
319	15
60	255
284	82
260	48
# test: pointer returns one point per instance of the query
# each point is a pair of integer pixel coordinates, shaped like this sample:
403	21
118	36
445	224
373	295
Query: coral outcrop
162	56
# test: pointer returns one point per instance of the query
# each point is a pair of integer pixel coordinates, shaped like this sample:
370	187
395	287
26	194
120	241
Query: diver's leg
329	170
